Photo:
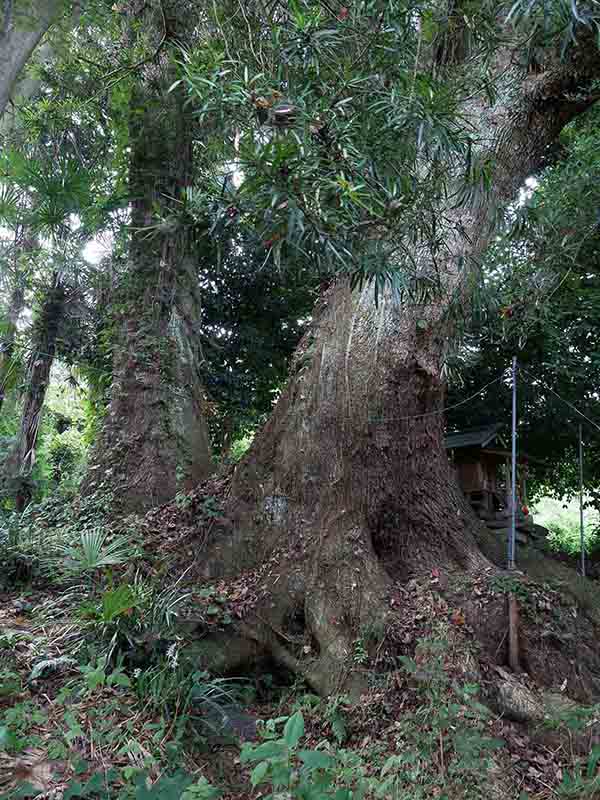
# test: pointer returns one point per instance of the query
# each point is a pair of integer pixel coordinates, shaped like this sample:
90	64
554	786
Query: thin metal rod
581	537
512	536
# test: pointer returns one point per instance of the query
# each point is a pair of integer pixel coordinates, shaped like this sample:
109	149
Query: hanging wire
410	416
441	410
562	399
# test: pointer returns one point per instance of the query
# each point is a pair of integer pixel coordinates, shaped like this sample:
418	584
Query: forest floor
100	698
67	724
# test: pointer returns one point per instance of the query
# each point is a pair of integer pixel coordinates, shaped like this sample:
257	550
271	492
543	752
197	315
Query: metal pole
512	537
581	538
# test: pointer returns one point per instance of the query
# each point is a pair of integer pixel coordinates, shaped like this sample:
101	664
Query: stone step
520	536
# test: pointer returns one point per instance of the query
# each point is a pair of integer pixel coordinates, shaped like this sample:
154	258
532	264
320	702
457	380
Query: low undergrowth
66	721
99	697
99	732
561	517
96	697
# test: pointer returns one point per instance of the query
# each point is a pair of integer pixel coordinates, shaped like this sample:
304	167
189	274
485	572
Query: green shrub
580	779
167	699
36	542
240	447
133	620
324	772
442	747
66	451
561	517
172	785
565	536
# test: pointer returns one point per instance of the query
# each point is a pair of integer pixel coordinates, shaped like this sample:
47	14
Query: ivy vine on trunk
154	438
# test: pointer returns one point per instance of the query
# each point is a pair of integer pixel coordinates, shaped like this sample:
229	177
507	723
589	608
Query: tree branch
17	44
7	18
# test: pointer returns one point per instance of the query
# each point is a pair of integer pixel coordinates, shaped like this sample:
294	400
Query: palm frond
94	552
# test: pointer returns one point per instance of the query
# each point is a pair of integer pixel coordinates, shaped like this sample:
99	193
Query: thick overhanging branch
19	38
512	138
516	133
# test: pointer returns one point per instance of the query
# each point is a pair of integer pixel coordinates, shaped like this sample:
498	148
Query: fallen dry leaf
33	767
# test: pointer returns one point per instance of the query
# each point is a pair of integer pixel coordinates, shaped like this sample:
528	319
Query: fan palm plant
95	551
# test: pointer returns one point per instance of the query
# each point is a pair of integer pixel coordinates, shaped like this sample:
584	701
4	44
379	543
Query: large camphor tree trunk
348	487
154	439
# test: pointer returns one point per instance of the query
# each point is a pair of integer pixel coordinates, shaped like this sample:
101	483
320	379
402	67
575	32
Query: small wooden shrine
482	462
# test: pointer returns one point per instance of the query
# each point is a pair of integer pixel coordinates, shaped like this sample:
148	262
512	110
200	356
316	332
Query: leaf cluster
540	297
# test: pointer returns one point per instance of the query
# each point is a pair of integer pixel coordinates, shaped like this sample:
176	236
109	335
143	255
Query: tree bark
348	487
16	304
22	245
21	460
155	438
22	28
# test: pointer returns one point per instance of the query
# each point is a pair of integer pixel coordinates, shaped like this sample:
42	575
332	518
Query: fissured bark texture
348	487
154	439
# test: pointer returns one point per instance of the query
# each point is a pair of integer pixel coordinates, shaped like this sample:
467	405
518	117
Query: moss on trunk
154	439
